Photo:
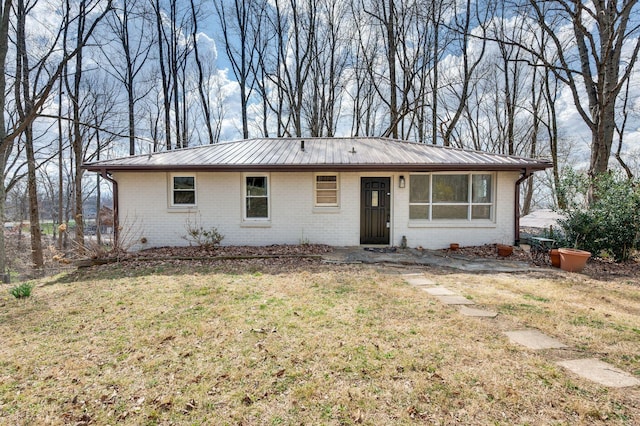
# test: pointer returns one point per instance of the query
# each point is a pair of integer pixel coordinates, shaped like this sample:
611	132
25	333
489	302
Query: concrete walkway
588	368
423	257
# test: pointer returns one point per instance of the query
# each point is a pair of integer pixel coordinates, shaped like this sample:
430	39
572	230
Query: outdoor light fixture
402	182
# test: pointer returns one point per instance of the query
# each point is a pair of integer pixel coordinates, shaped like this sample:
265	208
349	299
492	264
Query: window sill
328	209
462	223
182	209
255	224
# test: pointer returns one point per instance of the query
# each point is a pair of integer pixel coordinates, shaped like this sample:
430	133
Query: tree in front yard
610	224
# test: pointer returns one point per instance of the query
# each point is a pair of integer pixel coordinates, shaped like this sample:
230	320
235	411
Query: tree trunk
163	74
204	97
391	61
34	211
5	145
76	143
24	106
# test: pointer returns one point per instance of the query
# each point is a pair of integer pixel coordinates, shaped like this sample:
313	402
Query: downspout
526	173
116	222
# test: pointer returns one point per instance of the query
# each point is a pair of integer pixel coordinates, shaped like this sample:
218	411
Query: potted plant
554	256
504	250
573	260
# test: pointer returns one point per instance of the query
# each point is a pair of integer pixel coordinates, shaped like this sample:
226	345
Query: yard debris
190	406
264	330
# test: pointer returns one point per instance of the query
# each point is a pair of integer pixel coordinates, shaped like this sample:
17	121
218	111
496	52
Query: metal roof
338	154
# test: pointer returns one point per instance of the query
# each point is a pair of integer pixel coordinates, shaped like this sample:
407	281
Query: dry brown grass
329	345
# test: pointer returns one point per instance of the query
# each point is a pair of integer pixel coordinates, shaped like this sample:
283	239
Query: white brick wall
145	212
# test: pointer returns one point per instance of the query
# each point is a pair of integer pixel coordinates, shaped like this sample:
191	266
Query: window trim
316	191
172	190
469	204
245	196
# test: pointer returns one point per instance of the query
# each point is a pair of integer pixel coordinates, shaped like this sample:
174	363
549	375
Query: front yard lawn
314	344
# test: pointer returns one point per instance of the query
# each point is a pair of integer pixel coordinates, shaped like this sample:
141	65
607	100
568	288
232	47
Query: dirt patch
276	259
489	251
231	251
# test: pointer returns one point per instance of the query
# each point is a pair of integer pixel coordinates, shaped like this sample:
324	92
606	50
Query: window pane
419	191
374	198
257	207
326	185
450	212
450	188
321	179
184	197
184	182
328	198
481	212
257	186
481	188
418	212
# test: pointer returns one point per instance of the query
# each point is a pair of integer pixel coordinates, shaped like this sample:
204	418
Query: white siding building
335	191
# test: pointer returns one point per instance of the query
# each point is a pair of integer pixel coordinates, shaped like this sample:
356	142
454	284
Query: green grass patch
535	298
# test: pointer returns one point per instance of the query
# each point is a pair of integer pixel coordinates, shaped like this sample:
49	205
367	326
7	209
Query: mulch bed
597	268
283	258
276	250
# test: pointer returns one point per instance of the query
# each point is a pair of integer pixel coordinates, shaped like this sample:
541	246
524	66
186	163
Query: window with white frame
256	197
327	194
451	196
183	190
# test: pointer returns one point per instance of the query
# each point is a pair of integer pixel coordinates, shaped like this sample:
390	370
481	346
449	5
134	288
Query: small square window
327	193
183	190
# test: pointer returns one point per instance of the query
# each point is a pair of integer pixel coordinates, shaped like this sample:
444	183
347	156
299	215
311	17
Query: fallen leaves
263	330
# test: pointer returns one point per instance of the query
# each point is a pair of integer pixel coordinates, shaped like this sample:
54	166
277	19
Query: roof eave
311	167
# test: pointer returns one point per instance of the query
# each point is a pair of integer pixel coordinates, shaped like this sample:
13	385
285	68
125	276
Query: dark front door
375	210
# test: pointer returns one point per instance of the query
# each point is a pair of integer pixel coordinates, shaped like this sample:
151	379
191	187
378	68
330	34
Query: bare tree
42	77
24	105
166	96
203	85
365	97
6	145
597	62
473	13
620	129
328	64
239	21
384	17
127	60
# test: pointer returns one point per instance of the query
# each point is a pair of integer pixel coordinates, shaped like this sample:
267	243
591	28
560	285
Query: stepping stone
533	339
472	312
419	281
455	300
600	372
439	291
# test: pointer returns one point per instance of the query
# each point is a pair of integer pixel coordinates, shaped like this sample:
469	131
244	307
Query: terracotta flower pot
573	260
454	246
504	250
554	256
